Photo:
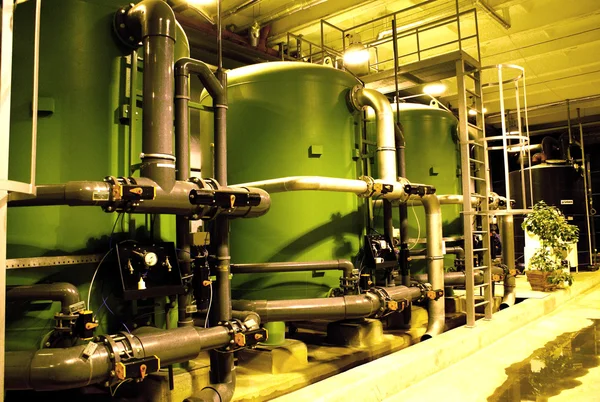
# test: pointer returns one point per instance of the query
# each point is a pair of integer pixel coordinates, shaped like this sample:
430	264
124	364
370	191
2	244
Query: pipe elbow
152	18
215	393
347	267
68	293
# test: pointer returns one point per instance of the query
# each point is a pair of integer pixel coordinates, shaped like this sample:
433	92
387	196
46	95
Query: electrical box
149	270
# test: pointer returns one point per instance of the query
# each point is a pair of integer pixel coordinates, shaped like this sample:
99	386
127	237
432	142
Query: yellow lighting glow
201	2
434	89
473	112
356	54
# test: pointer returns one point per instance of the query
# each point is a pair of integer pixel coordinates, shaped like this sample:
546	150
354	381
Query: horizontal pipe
457	250
177	202
55	369
65	293
365	188
451	278
269	267
334	308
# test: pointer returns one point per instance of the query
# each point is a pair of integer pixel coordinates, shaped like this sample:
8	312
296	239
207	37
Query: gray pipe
55	369
176	202
435	264
65	293
183	68
153	22
269	267
368	304
459	251
451	278
507	237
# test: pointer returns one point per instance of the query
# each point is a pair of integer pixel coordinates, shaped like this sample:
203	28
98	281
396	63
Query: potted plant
556	236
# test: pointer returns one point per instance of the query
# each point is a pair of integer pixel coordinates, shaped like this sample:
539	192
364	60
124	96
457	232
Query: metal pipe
65	293
507	238
269	267
153	22
369	304
55	369
386	142
435	264
587	192
452	278
183	68
182	165
363	188
176	202
459	251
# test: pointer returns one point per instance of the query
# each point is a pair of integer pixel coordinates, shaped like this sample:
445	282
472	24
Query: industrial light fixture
473	111
435	89
356	54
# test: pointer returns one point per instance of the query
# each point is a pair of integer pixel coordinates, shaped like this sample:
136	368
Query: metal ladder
475	187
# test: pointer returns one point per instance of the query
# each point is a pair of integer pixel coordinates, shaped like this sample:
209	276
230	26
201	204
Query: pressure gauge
150	259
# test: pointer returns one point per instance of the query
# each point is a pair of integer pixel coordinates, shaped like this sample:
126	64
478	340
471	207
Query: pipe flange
370	186
125	36
352	98
158	156
387	304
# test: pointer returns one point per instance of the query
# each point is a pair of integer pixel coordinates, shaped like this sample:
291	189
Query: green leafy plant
555	235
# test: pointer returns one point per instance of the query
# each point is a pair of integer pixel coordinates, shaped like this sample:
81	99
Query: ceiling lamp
435	89
356	54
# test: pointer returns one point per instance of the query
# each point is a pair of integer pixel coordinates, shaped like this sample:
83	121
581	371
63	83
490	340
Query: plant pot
539	280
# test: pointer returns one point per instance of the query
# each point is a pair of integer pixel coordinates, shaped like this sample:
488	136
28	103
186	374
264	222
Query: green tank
433	158
290	119
83	134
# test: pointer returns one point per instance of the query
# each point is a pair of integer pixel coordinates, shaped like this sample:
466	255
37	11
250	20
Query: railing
419	40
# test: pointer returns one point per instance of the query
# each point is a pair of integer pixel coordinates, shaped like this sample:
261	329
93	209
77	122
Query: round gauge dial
150	259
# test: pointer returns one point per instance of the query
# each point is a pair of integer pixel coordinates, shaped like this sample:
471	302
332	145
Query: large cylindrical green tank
83	134
290	119
433	158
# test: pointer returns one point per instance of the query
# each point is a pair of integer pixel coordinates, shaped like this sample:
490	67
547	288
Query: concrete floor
469	364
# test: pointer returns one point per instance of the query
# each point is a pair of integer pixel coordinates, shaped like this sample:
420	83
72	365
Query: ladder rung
479	232
477	178
483	303
480	249
483	285
474	126
472	93
480	268
476	161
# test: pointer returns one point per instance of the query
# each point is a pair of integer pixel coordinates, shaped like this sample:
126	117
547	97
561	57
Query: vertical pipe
507	236
528	149
221	364
435	264
569	128
157	137
585	185
504	135
6	51
182	152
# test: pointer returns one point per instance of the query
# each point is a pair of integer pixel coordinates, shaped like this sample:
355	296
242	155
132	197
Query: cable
113	393
418	228
94	277
209	305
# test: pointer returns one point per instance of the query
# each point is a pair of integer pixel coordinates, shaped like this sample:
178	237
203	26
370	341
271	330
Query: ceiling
557	42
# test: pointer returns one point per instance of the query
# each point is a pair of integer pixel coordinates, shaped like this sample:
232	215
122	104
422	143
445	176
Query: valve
243	334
